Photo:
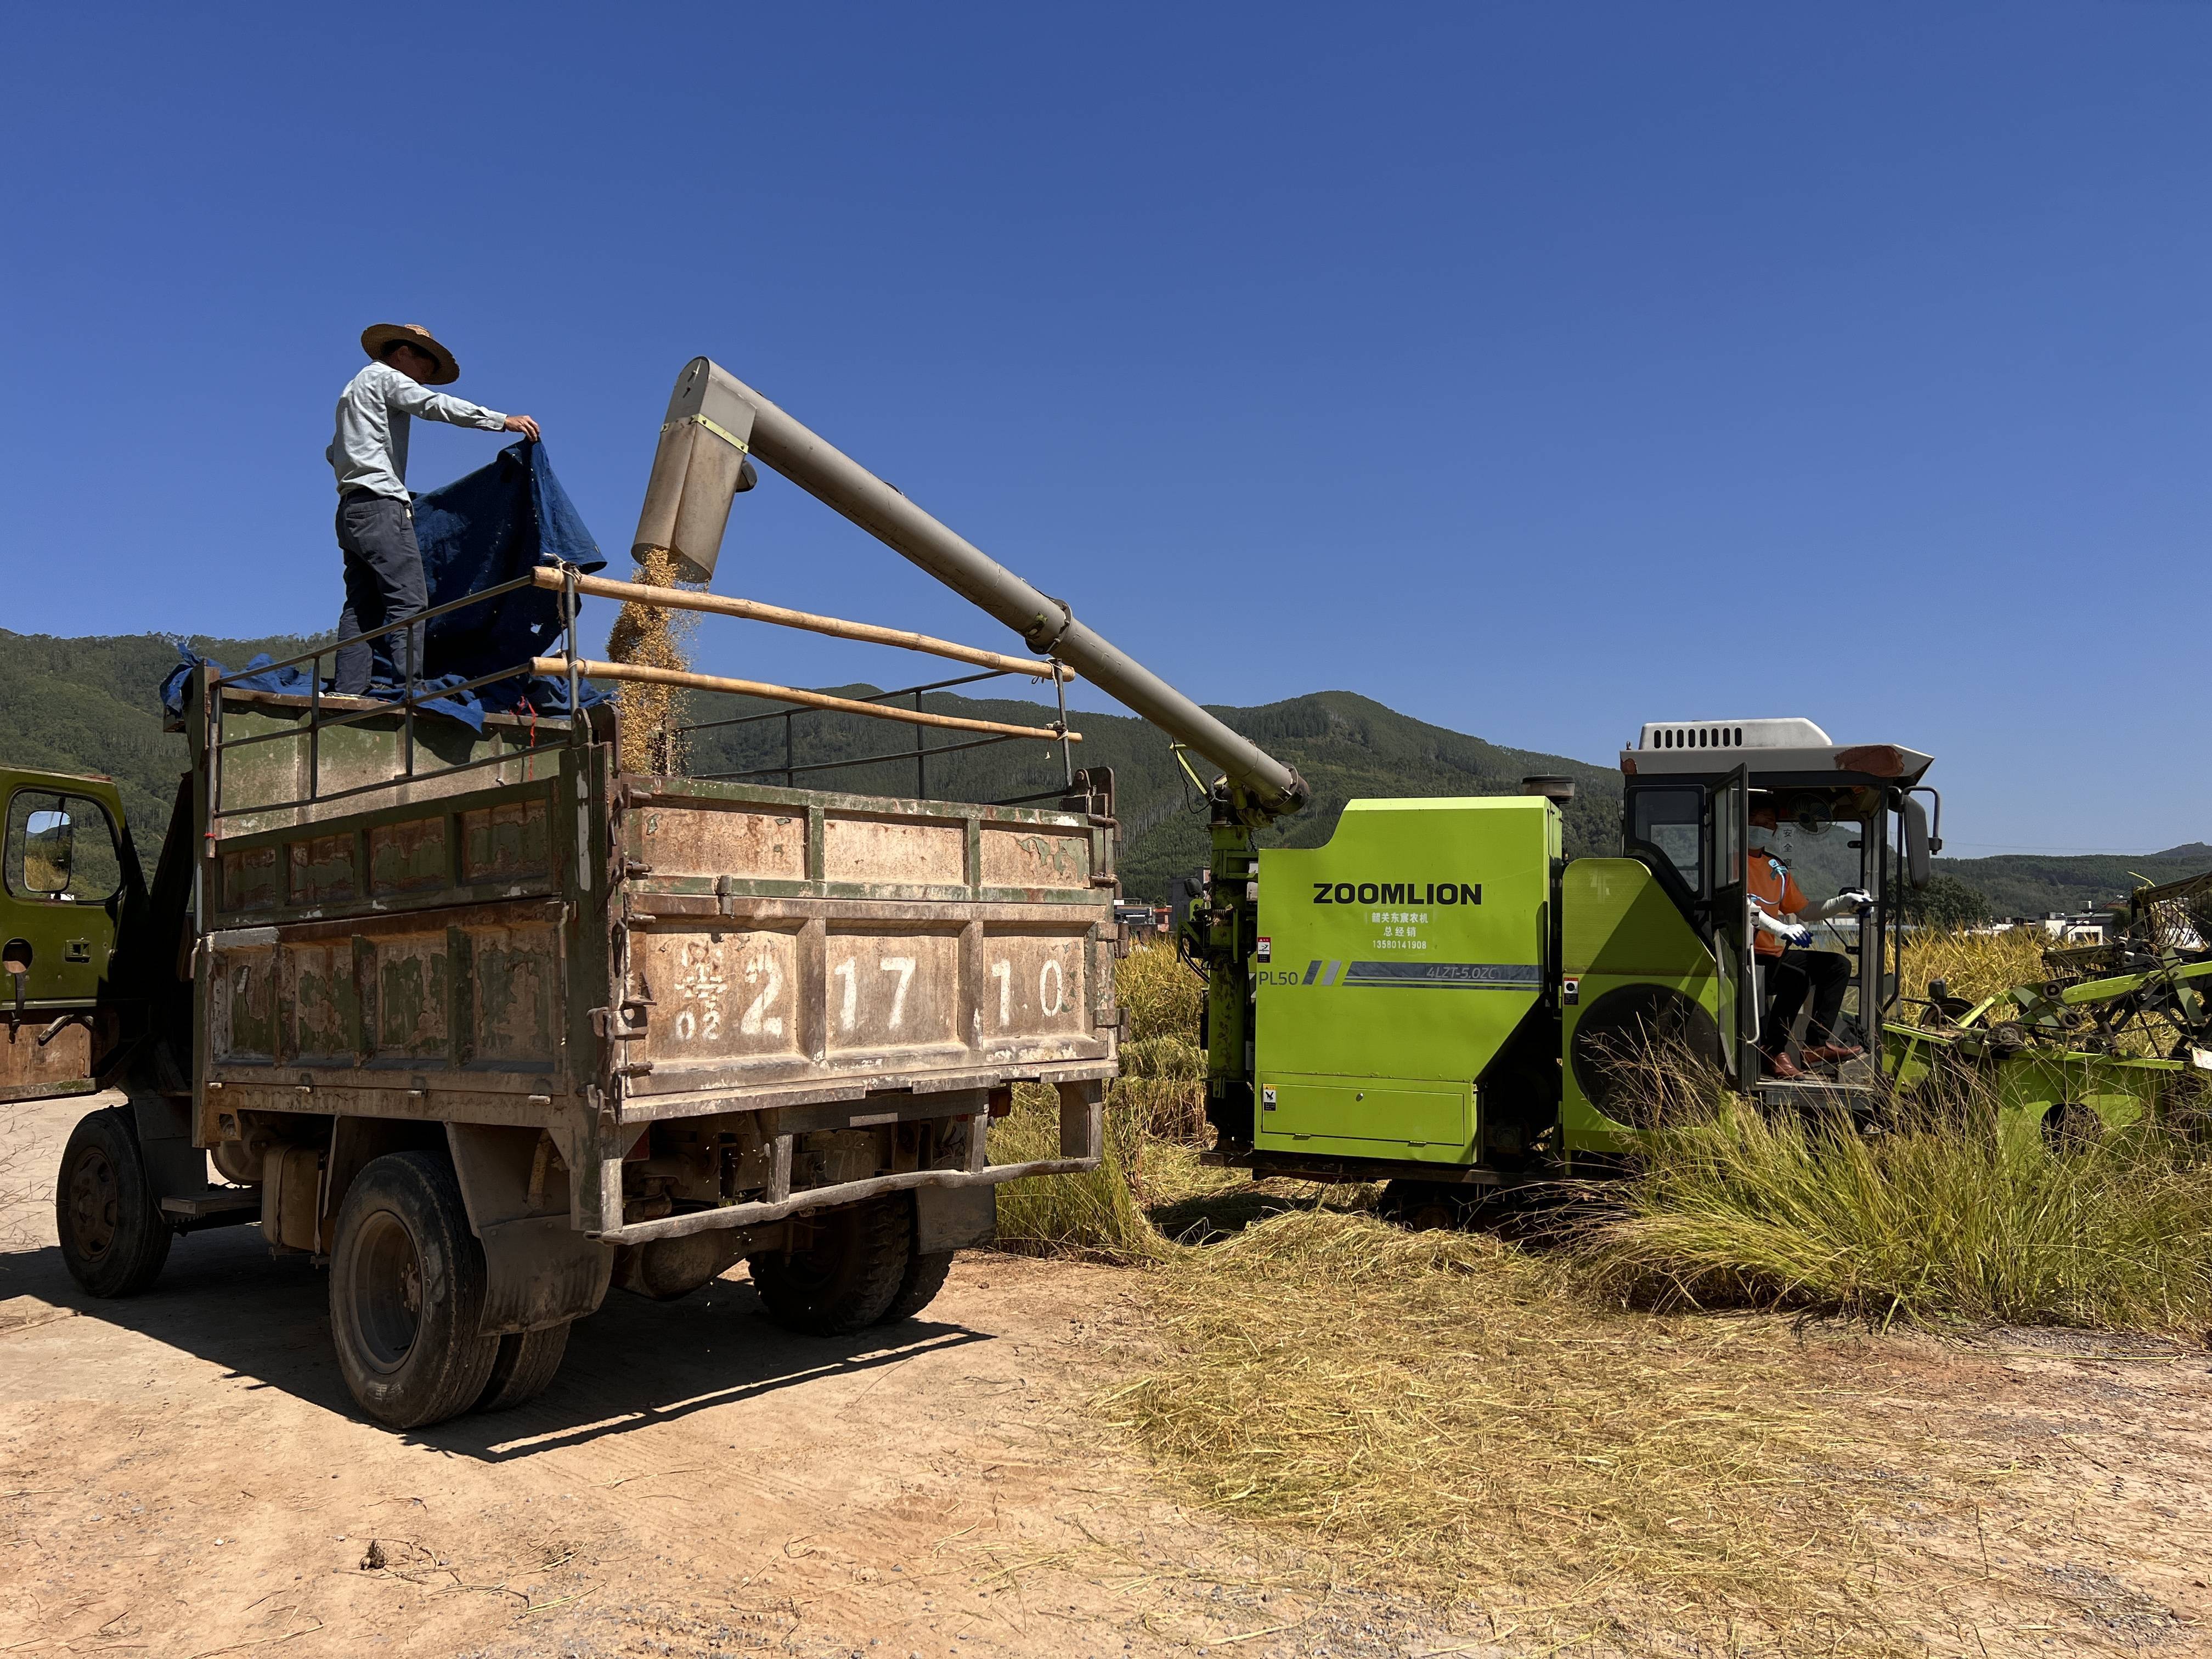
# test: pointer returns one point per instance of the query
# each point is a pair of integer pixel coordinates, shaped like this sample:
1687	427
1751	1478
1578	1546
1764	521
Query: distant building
2080	928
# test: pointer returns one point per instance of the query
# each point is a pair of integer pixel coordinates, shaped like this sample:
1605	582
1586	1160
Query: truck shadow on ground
634	1362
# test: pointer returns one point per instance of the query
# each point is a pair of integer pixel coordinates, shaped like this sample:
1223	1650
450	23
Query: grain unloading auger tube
715	420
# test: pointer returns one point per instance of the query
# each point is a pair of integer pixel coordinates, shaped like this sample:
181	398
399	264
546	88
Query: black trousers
384	584
1789	976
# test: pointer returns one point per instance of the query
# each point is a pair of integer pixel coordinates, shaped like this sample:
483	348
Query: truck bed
545	943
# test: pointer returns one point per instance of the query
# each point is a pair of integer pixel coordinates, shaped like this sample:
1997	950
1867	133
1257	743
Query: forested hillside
90	705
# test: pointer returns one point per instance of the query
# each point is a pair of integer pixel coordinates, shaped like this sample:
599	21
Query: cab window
61	847
1670	823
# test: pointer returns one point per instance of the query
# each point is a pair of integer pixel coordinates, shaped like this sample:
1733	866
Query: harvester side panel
1635	977
1402	957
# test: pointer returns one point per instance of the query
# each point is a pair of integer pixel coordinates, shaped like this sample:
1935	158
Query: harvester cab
1439	997
1847	817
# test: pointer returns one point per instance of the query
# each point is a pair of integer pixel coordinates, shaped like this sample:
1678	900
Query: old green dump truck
487	1042
486	1025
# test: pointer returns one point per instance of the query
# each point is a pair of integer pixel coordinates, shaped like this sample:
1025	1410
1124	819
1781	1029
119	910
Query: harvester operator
1789	970
384	581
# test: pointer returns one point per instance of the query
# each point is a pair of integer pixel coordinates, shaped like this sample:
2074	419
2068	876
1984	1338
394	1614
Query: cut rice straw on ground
1436	1410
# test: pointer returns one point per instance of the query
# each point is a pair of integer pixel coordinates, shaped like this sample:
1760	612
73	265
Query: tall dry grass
1155	1116
1560	1433
1092	1216
1939	1219
1973	965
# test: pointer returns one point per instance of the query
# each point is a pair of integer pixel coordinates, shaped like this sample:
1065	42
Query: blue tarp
487	528
484	528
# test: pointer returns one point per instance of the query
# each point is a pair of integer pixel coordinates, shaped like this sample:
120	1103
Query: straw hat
375	338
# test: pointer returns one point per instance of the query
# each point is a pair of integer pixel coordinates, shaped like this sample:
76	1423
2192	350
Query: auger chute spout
715	420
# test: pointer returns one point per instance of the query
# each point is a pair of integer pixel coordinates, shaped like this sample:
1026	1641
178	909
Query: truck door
1727	820
63	869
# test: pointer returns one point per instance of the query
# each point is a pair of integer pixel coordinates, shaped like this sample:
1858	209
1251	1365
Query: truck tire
845	1277
407	1290
113	1239
918	1287
526	1366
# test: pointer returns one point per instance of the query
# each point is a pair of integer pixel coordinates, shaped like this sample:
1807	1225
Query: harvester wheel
847	1274
114	1240
2071	1126
524	1369
1424	1206
407	1290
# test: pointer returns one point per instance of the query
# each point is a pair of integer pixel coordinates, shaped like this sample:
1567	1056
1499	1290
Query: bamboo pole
679	599
644	675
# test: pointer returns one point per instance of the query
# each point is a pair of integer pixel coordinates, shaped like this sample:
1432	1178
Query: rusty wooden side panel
777	940
410	949
1039	856
494	845
61	1065
286	766
472	989
751	845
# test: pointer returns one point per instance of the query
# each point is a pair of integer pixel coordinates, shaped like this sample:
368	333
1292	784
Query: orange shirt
1774	890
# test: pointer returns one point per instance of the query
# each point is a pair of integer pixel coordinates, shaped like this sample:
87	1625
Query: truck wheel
407	1290
844	1279
526	1365
918	1287
114	1240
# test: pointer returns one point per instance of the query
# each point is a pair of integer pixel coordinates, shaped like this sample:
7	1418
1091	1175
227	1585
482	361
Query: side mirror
1915	841
49	851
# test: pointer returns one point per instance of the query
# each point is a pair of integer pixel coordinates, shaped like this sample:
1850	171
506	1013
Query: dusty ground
179	1475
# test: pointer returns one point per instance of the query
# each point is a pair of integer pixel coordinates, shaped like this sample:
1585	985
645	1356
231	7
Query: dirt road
180	1474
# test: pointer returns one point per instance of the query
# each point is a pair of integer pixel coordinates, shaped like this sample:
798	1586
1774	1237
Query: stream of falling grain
649	636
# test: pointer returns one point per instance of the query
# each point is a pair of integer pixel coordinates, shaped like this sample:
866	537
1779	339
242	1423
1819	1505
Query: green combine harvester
1440	999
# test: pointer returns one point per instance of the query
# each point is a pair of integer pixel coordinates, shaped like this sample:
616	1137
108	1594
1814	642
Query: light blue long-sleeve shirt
370	450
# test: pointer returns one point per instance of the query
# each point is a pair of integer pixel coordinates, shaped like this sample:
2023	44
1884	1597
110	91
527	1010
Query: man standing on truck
1787	970
383	580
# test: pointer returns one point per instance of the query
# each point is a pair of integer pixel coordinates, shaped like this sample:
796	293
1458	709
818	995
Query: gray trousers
383	584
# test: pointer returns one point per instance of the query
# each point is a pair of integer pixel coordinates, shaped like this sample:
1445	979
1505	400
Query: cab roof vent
1788	732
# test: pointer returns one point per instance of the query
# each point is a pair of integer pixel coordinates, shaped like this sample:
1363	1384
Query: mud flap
954	1217
539	1271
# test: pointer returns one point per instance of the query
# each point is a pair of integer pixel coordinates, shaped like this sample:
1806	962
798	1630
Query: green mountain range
90	705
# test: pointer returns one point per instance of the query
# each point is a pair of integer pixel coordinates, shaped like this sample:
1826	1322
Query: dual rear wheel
849	1269
407	1275
407	1290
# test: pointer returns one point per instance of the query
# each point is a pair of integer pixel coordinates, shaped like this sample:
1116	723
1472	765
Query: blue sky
1534	369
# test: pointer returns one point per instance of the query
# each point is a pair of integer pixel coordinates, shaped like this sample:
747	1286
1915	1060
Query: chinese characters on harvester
1401	929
